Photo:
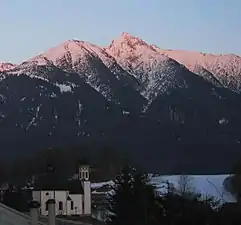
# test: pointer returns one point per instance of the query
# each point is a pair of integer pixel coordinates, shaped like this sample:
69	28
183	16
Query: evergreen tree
121	201
14	198
133	200
145	198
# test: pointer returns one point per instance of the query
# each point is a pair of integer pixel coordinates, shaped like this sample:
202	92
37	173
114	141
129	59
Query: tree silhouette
132	200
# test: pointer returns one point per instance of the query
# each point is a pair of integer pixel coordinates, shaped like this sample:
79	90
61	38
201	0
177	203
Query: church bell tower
84	177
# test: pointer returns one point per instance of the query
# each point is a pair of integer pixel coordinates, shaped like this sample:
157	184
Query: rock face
6	66
171	111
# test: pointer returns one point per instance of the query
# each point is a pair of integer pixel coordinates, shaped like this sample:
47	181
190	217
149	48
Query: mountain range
171	111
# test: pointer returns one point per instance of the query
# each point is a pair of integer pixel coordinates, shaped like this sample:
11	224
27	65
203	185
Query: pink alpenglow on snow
6	66
152	70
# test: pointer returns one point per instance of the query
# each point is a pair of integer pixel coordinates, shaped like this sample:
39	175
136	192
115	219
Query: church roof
49	181
75	187
53	182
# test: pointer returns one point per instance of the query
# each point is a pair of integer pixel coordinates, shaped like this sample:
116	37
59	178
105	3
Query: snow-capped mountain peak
134	61
157	72
132	52
132	40
132	48
68	56
71	50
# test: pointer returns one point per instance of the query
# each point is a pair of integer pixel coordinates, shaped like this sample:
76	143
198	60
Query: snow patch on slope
33	121
64	88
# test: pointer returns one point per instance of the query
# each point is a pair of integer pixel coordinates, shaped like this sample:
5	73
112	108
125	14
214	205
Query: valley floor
207	185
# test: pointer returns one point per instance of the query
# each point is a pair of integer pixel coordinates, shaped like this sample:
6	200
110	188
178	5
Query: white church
72	197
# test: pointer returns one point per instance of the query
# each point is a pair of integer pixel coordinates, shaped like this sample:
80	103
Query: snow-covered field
207	185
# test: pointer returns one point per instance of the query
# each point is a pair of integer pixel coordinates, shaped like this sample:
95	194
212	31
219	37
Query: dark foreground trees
134	202
16	198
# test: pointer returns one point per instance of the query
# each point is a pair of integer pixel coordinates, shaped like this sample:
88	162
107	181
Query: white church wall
58	196
77	208
45	195
81	203
68	207
61	202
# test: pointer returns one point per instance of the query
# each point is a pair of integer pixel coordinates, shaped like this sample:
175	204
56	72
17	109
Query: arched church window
60	205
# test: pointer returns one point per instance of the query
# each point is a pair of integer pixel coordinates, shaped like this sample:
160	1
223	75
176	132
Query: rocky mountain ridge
134	62
132	96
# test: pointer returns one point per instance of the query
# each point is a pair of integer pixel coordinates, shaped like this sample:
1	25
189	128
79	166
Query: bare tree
184	186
